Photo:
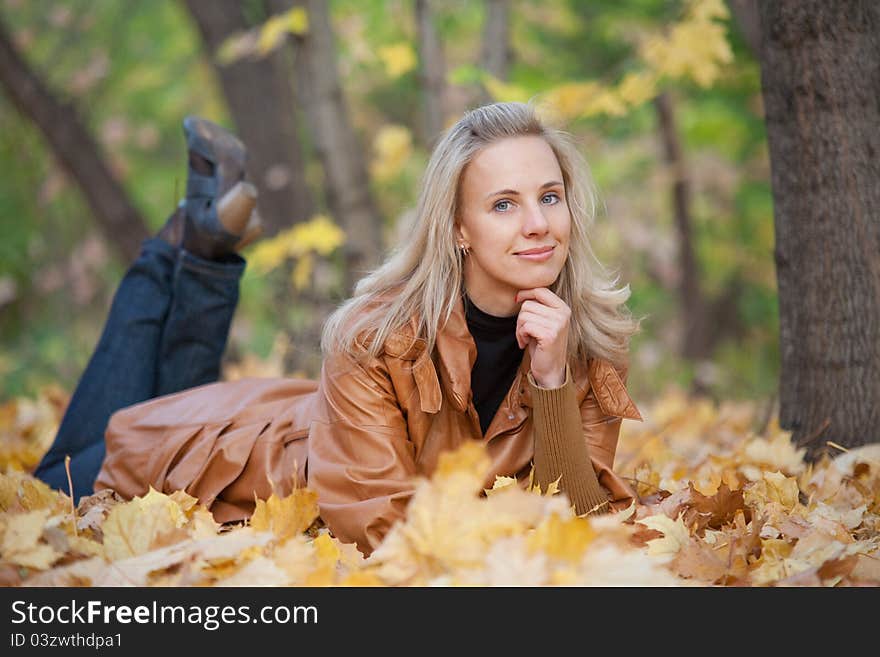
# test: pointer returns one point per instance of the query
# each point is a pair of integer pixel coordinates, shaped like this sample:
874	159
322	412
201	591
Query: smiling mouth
537	251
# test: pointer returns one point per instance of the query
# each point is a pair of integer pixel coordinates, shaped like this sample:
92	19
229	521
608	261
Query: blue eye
499	203
554	195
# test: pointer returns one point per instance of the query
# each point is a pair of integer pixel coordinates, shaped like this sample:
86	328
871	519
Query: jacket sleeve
577	443
602	410
360	459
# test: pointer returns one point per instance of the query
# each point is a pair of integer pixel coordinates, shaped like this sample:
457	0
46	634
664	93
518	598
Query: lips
540	249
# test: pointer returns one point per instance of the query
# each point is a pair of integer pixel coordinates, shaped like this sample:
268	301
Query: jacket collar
456	355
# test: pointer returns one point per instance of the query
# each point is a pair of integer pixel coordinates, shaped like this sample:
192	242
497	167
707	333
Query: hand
542	326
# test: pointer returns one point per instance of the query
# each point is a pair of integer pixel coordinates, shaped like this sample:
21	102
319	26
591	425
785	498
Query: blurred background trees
339	104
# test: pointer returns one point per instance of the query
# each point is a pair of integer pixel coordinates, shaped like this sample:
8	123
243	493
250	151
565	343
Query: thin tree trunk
695	340
347	183
260	97
746	14
820	76
495	55
432	73
70	141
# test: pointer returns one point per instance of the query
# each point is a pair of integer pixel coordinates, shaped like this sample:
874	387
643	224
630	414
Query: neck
494	305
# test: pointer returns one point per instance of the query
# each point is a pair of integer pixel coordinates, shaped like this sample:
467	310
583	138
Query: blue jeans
166	331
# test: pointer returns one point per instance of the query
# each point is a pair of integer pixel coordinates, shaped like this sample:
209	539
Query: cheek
563	226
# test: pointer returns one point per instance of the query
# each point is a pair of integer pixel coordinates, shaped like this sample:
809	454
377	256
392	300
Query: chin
535	281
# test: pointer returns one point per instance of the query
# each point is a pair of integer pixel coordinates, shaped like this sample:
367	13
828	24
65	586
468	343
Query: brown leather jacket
357	436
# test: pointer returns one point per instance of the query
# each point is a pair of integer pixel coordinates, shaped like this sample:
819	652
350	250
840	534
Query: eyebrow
513	192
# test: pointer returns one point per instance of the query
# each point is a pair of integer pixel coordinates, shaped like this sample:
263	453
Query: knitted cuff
561	449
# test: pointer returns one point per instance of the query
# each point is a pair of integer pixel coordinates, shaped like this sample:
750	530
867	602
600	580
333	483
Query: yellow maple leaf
288	516
318	235
773	563
398	58
606	101
302	271
20	490
675	535
273	31
571	99
773	487
562	538
21	540
392	147
468	460
696	47
326	550
706	10
503	91
132	528
778	452
501	483
637	87
202	524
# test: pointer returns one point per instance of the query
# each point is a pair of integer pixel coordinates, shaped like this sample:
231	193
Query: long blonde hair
423	275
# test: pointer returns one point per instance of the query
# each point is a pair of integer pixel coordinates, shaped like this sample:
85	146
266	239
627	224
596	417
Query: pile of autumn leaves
721	505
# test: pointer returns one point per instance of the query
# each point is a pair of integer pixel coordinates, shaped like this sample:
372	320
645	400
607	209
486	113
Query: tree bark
121	223
695	339
260	97
746	14
347	183
496	54
820	76
432	73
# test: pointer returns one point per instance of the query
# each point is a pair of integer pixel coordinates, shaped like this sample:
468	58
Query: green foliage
134	70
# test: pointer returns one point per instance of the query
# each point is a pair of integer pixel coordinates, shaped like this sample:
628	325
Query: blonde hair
423	275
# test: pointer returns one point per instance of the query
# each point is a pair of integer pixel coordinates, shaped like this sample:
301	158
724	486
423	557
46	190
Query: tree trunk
820	76
347	183
432	74
260	97
495	55
121	223
748	21
695	339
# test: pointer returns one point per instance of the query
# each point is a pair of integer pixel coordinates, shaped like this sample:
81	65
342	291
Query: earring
465	249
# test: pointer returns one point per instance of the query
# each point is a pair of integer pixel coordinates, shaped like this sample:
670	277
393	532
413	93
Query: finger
538	332
542	295
560	315
549	323
525	334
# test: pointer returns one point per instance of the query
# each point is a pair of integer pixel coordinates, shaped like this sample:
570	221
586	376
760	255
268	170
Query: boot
202	224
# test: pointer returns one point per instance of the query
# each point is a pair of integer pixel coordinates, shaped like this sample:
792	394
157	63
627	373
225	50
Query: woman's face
512	200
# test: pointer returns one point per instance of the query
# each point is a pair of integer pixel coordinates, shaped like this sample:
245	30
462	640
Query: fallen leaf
287	516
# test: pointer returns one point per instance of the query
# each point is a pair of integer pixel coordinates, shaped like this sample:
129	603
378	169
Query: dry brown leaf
696	560
724	507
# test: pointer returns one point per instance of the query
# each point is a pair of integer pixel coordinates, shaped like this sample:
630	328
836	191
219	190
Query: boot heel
252	231
234	209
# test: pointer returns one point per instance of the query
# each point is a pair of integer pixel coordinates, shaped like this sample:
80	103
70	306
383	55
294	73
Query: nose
534	222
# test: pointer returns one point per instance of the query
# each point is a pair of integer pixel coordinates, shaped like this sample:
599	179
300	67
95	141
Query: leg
197	327
166	332
170	317
121	371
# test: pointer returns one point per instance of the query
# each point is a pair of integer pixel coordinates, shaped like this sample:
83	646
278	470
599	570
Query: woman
488	324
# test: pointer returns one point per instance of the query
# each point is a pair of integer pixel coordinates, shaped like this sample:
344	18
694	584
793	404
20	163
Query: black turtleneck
498	359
